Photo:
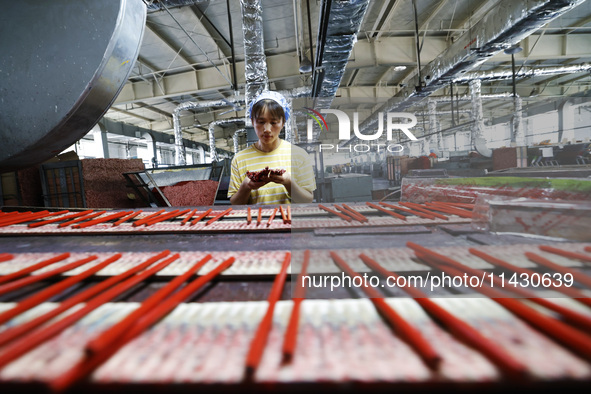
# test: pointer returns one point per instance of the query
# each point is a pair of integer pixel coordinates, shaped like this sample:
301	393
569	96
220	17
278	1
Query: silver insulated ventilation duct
255	61
478	120
213	153
179	148
236	139
504	26
339	25
524	72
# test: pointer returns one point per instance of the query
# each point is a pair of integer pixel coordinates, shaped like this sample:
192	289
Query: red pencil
34	267
19	283
566	253
200	216
85	217
257	345
406	331
109	336
353	214
147	221
189	216
86	366
344	217
6	215
568	336
67	217
219	216
102	220
568	314
289	213
248	216
577	275
8	219
449	209
31	340
396	215
412	212
299	293
147	218
17	331
467	206
167	216
5	257
126	218
283	214
570	291
272	217
53	290
260	217
356	213
418	207
460	329
33	216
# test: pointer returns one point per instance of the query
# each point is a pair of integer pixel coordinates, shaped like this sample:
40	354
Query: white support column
101	143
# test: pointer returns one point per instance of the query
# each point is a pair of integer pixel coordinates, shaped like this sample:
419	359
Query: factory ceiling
194	51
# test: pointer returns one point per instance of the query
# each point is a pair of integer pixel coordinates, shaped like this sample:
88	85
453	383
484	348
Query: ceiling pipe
255	61
506	25
179	148
433	124
517	136
339	25
290	95
478	120
493	96
525	72
236	137
213	154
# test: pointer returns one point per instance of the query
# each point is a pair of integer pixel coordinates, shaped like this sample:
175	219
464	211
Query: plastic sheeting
562	219
467	190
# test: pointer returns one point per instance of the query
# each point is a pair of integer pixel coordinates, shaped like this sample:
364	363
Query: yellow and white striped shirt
291	158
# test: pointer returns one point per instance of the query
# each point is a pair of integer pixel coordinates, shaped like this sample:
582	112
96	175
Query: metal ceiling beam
213	31
388	9
129	113
476	15
144	63
432	15
166	40
580	23
154	109
203	81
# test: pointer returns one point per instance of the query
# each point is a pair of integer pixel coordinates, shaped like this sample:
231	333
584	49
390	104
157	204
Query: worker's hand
284	179
251	185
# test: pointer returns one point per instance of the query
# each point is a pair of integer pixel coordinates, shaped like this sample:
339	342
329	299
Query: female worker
269	112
